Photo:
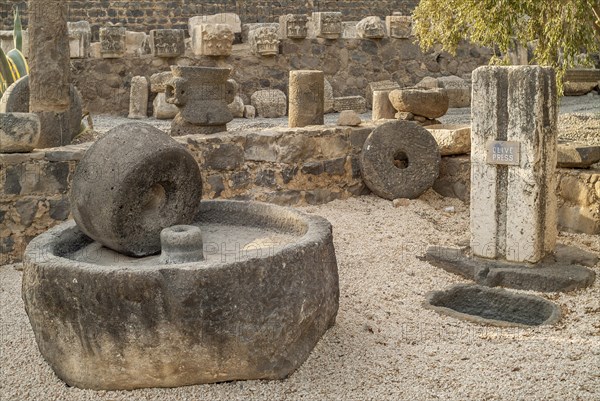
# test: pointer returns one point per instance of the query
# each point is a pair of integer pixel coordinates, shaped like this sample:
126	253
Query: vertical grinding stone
138	98
513	207
306	97
131	184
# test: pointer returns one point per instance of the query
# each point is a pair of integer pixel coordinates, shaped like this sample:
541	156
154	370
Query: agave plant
13	64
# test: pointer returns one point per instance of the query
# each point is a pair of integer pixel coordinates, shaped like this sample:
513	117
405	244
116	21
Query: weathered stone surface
550	275
16	97
496	307
237	107
306	98
163	110
577	82
112	41
158	81
96	50
400	160
181	244
572	155
513	207
264	41
269	103
371	28
212	40
19	132
382	107
293	26
354	103
327	97
386	85
138	98
399	26
134	43
349	30
327	25
454	180
132	183
167	42
80	37
247	28
431	103
452	139
202	95
249	111
185	311
230	19
579	200
457	89
349	118
578	88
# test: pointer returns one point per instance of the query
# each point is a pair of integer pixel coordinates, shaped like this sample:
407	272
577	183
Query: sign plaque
503	152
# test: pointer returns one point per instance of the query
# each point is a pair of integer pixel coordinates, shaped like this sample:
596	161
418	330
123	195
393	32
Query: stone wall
284	166
146	15
348	64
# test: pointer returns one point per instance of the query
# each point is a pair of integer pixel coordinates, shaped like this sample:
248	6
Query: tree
561	29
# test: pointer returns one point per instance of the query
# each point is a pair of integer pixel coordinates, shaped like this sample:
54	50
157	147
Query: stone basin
253	309
492	306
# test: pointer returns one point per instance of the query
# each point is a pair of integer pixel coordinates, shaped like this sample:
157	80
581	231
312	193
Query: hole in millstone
401	160
155	199
493	306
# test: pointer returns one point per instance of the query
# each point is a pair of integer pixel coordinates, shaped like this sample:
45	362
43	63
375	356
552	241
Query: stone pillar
49	74
306	98
138	98
513	154
382	107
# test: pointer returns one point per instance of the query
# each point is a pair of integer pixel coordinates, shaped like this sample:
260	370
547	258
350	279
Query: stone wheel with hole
131	184
400	159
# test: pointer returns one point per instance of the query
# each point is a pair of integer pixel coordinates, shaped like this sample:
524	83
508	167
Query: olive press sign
503	152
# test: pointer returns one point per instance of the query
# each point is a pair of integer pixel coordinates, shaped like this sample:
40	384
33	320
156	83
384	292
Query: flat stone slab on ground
573	155
549	275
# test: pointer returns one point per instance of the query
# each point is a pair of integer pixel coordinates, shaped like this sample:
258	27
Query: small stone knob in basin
181	244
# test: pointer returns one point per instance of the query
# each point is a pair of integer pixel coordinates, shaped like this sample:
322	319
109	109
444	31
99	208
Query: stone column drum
202	95
306	98
513	154
49	74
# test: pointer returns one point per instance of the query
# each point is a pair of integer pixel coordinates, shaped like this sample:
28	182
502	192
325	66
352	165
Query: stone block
452	139
80	37
306	98
230	19
112	41
349	30
573	155
270	103
293	26
354	103
386	85
327	25
371	28
457	89
237	107
226	156
138	98
382	107
247	28
212	40
399	26
19	132
327	97
249	111
167	43
454	180
135	43
162	109
349	118
428	103
513	206
264	41
158	81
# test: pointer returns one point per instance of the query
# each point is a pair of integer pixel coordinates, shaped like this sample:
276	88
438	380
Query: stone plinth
138	98
112	41
513	151
306	97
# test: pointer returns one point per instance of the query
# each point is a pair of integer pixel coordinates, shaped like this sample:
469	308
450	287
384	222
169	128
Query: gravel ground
384	345
579	120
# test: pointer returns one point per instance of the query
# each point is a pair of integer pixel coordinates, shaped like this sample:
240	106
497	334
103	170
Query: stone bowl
492	306
107	321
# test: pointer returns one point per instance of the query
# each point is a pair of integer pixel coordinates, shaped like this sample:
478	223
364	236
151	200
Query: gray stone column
49	75
513	161
306	98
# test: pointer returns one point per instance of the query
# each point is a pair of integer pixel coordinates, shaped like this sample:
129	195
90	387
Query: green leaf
6	74
18	31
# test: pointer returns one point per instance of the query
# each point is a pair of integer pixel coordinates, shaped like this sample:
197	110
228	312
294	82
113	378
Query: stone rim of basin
438	300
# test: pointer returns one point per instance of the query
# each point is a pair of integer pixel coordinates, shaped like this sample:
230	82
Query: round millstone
131	184
400	160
